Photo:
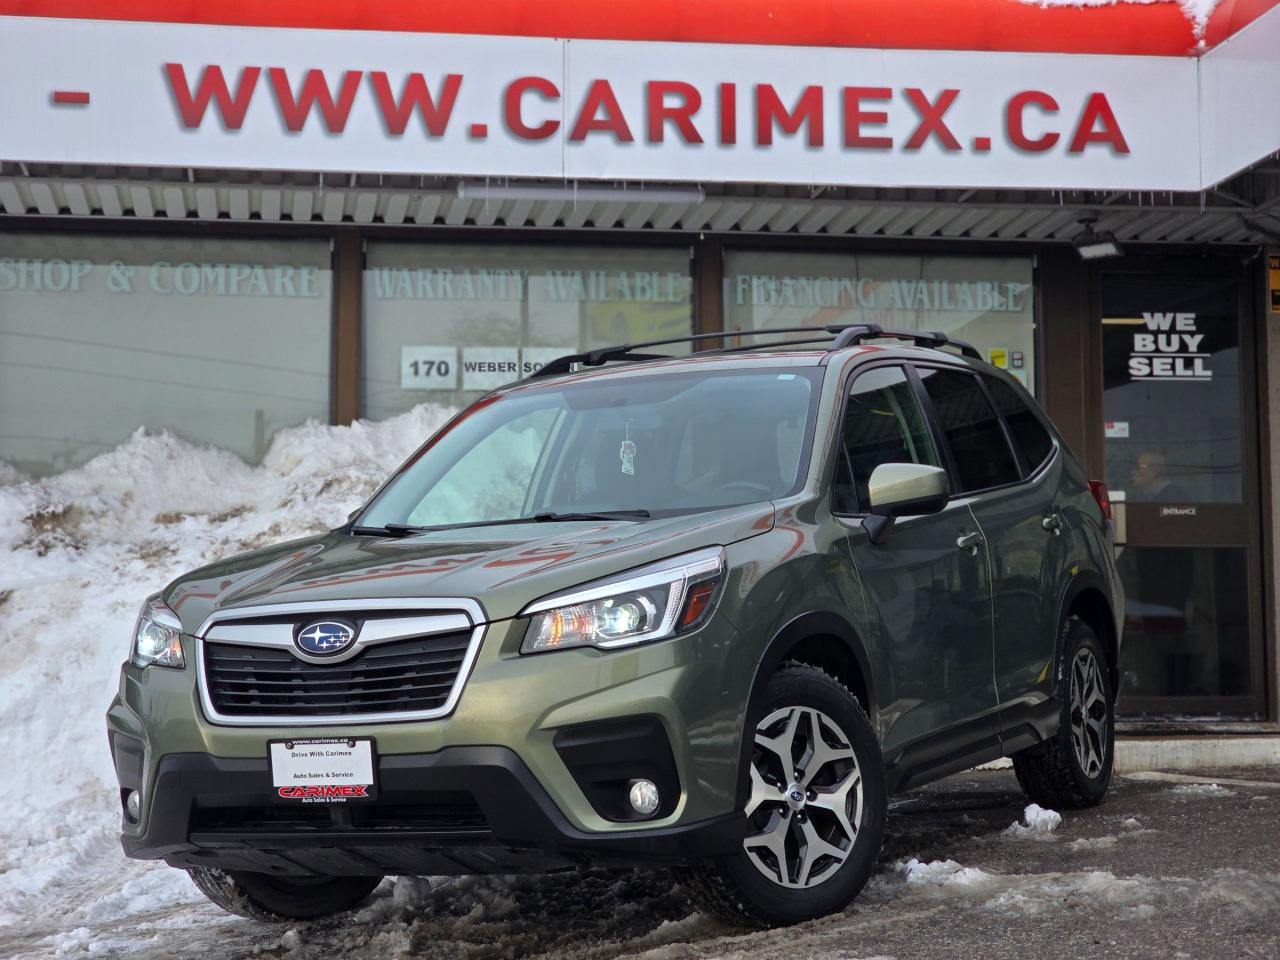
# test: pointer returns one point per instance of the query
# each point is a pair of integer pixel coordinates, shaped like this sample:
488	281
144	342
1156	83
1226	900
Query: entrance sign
266	98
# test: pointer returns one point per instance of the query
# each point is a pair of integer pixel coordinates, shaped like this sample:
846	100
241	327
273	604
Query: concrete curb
1196	753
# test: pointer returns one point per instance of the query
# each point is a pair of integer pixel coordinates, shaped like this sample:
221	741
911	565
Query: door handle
1052	523
969	541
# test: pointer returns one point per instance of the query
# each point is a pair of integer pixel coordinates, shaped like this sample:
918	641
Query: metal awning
1245	209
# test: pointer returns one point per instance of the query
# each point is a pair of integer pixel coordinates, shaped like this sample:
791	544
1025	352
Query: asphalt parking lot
1168	867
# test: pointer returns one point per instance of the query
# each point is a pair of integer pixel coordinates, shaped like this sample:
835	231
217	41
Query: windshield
666	443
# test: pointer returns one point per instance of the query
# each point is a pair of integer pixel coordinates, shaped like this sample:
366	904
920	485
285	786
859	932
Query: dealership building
222	219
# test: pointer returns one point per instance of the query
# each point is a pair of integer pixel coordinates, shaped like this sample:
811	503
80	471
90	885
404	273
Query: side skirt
973	742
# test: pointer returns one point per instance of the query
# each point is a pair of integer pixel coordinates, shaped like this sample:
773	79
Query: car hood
502	568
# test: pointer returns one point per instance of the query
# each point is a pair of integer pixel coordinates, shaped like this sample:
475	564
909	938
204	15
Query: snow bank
1037	824
78	554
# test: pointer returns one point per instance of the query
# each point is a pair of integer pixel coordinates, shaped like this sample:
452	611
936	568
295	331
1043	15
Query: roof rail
844	334
932	339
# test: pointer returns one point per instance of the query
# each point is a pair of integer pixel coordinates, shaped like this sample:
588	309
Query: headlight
157	638
651	603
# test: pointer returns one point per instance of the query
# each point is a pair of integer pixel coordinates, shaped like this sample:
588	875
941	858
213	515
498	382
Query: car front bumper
486	789
460	810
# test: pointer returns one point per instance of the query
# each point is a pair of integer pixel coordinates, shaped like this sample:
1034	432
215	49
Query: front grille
404	676
452	813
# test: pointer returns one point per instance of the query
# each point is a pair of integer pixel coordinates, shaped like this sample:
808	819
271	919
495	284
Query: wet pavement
1169	867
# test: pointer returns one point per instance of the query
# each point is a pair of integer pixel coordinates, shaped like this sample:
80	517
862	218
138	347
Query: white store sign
483	368
428	368
267	98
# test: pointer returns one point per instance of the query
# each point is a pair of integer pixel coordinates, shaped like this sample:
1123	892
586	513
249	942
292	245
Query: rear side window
883	423
1028	432
982	455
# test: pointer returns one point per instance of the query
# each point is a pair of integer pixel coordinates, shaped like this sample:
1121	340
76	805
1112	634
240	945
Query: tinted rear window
977	441
1028	432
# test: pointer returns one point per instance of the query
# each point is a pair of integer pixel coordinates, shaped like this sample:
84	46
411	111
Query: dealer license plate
323	769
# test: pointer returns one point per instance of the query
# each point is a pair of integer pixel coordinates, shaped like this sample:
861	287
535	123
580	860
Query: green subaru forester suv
706	611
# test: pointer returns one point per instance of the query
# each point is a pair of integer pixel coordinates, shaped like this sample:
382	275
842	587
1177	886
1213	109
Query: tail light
1100	493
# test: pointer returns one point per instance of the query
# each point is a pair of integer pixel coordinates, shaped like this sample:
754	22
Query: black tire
260	896
733	888
1051	773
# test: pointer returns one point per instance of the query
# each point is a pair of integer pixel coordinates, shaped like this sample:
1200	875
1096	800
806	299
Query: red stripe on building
1153	29
1232	16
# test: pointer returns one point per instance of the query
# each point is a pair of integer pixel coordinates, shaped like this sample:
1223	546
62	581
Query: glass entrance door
1179	404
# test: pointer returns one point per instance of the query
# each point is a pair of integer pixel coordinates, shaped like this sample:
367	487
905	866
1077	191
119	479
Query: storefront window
986	301
219	341
1171	400
447	322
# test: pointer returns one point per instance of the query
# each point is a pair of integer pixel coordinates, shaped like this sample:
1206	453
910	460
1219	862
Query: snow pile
1211	790
1242	892
1023	894
81	551
1197	11
941	873
1037	824
1085	844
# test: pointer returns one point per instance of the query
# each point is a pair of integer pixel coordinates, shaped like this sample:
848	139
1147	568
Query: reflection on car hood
503	567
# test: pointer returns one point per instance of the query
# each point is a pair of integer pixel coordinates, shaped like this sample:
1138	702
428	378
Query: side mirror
903	490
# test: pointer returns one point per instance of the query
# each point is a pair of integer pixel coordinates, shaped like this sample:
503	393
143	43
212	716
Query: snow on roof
1197	11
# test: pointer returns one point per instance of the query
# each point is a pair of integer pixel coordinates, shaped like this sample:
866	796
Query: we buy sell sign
153	94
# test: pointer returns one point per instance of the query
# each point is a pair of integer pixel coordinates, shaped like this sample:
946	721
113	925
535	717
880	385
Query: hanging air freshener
627	454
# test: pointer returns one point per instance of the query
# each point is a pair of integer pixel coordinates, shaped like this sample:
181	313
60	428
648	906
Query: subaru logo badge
325	638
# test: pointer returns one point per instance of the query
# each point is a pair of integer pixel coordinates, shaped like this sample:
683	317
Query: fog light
133	805
644	797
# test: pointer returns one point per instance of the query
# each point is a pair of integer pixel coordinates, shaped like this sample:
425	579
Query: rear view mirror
903	490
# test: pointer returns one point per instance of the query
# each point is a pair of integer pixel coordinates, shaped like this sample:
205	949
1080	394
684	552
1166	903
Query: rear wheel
1073	768
815	812
260	896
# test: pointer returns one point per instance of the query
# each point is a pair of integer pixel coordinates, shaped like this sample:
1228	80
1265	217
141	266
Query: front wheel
815	813
260	896
1072	769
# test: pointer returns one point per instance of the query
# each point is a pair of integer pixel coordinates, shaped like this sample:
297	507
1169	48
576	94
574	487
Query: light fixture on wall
1092	245
573	193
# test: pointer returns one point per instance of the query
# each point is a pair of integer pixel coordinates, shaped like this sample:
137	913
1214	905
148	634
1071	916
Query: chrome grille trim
385	630
223	623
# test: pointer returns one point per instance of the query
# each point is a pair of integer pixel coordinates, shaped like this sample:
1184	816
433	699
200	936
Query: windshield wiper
406	529
601	515
387	530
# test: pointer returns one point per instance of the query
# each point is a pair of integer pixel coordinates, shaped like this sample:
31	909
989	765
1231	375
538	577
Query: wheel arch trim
1089	581
806	626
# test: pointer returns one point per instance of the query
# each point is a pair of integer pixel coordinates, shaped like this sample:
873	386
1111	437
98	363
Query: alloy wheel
806	798
1089	713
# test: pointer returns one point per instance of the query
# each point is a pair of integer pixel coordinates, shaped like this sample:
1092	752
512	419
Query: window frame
931	413
840	454
1029	471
